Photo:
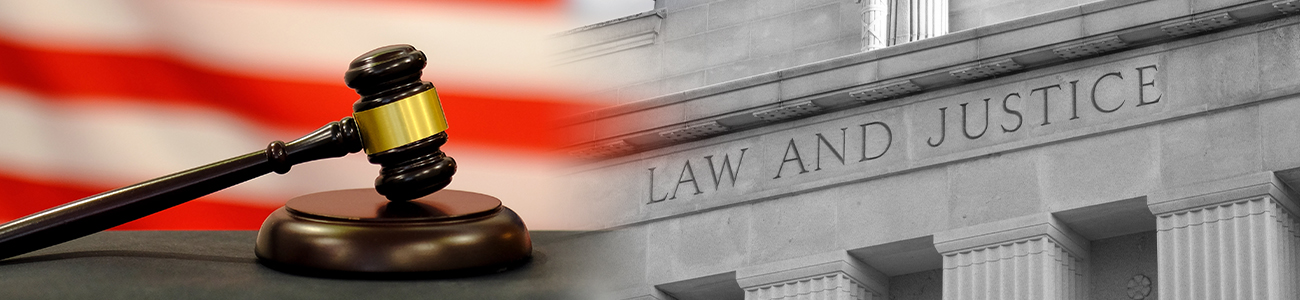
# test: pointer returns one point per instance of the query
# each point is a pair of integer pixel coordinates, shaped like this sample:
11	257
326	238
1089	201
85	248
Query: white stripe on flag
483	48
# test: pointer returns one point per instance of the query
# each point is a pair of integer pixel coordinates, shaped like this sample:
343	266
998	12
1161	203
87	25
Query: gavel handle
108	209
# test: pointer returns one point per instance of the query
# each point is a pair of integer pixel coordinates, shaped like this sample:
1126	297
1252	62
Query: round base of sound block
359	233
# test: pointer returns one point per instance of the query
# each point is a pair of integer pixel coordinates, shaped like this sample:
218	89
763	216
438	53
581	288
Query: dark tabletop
221	265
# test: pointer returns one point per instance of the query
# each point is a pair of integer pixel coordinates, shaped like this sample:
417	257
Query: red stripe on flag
303	106
26	196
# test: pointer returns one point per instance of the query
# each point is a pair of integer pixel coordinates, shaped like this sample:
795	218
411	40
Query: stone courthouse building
942	149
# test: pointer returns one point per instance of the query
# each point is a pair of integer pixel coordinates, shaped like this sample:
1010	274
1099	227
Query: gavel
398	122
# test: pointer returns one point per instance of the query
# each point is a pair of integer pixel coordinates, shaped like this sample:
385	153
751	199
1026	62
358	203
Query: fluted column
1031	258
833	286
1233	239
875	26
900	20
828	276
929	18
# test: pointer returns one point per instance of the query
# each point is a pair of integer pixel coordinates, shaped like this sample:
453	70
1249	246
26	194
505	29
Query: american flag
96	95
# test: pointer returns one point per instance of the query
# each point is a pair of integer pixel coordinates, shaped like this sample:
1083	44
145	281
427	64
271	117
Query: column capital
1030	257
815	267
1245	187
1011	230
1214	236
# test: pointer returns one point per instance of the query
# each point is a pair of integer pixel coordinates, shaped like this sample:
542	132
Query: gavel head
401	122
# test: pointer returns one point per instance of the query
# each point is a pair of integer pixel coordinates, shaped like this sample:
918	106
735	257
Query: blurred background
97	95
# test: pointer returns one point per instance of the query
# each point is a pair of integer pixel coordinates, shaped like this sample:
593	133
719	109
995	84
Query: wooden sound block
359	233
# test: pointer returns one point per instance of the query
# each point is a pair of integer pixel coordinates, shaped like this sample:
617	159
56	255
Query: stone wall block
1279	55
913	204
729	13
699	245
819	24
792	227
1217	146
772	36
686	23
994	188
617	69
1218	73
705	50
633	65
1095	170
676	5
1278	128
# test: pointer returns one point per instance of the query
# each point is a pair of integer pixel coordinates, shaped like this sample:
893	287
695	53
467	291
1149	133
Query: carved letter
1045	89
1074	100
823	140
966	131
1020	120
686	169
1094	93
652	189
889	142
943	132
726	168
787	158
1142	100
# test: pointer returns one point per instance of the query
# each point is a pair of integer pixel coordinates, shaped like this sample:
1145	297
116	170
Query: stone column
1032	258
1231	239
929	18
875	26
829	276
900	20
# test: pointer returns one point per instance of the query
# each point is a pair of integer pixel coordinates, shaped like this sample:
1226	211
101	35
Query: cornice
891	73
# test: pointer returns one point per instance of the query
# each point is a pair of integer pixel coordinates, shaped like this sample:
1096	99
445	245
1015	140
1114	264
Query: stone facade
1039	150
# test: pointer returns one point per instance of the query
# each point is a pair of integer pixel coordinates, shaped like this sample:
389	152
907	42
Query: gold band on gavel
401	122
